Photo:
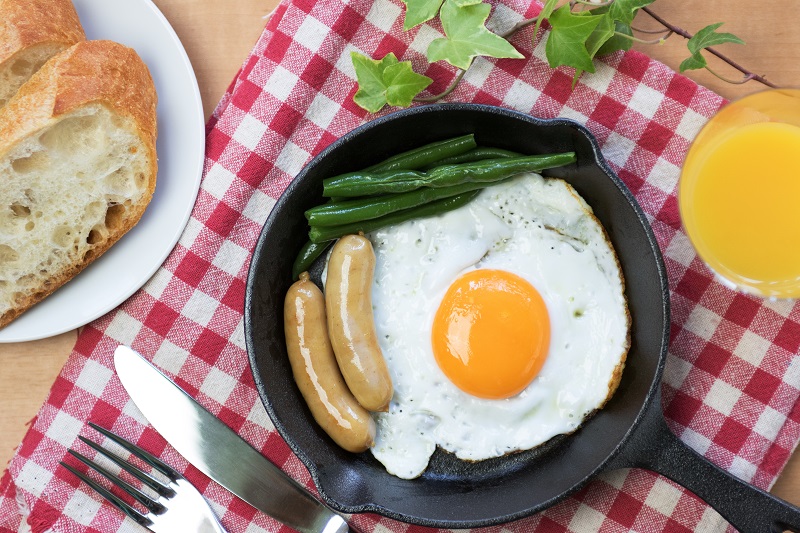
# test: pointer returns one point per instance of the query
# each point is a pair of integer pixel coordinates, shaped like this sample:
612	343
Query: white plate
181	147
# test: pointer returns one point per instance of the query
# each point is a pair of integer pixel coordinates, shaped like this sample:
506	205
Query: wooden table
219	35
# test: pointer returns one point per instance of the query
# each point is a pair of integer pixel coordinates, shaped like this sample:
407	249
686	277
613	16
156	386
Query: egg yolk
491	333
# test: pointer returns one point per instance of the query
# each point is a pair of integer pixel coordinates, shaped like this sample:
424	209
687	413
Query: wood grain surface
218	36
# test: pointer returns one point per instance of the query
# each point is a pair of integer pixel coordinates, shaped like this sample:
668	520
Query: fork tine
153	461
135	471
113	499
151	504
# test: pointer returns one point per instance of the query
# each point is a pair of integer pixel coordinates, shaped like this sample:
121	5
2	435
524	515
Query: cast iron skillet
629	432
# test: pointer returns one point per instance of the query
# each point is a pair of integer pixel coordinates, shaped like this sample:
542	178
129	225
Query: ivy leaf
694	62
464	3
617	41
600	35
708	36
386	81
622	12
545	13
419	11
704	38
566	44
625	10
597	39
403	84
466	36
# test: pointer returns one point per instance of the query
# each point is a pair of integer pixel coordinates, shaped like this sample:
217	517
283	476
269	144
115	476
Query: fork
178	506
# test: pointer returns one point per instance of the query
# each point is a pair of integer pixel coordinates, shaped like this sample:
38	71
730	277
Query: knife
217	451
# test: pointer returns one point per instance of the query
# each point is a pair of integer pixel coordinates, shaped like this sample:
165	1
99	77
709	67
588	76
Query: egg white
541	230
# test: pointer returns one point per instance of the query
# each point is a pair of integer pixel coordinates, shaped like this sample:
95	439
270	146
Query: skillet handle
749	509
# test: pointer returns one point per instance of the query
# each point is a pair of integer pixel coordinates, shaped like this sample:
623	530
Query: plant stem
670	29
573	3
652	32
748	75
518	26
660	40
450	88
745	78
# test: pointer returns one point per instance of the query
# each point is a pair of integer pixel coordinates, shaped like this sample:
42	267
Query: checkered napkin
731	382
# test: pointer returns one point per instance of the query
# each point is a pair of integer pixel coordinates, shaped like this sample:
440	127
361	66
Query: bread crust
98	71
25	23
88	73
31	32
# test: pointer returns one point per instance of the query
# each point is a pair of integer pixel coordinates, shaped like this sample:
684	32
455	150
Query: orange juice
739	194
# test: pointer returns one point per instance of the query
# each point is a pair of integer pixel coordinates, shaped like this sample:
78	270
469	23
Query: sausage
316	372
351	326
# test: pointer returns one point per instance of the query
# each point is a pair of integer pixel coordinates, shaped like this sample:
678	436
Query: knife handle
220	453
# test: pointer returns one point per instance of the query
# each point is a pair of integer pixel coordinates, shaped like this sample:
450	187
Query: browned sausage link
351	326
316	372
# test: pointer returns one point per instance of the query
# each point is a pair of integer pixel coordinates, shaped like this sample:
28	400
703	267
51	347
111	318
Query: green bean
427	154
478	154
324	235
487	171
308	254
350	211
359	183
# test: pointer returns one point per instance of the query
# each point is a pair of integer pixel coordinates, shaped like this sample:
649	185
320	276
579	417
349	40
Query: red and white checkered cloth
731	383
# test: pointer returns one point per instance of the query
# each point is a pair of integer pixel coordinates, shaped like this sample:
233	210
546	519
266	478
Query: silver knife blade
217	451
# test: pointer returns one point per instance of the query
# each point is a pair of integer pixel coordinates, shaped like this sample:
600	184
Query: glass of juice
739	194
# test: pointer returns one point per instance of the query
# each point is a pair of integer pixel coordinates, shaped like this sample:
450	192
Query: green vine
579	32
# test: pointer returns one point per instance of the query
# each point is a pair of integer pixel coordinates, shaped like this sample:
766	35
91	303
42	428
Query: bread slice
77	167
31	32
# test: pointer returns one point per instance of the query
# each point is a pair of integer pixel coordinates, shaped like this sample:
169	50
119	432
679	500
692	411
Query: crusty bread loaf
31	32
77	167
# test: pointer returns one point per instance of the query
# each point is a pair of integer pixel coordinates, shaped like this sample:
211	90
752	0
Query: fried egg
503	323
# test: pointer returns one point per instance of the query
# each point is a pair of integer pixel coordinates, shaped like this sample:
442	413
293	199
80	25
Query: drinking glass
739	194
